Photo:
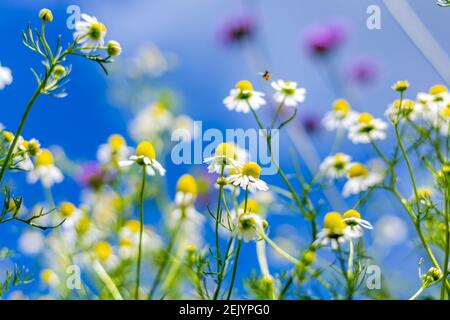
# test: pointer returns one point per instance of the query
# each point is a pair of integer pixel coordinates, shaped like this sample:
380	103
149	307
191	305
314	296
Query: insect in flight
266	75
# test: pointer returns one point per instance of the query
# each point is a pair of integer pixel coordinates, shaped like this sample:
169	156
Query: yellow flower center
96	30
67	209
116	141
133	226
406	104
357	170
124	242
47	275
252	206
83	225
446	112
45	158
146	149
446	168
401	85
424	193
103	250
333	222
9	136
341	106
244	85
365	118
352	214
226	150
187	184
437	89
251	169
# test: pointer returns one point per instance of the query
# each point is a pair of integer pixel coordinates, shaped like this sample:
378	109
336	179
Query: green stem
106	279
350	260
417	294
233	275
447	241
141	228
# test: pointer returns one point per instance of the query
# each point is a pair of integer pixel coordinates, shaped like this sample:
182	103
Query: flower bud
114	49
46	15
59	71
433	274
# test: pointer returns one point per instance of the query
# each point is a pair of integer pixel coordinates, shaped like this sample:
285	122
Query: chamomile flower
114	151
102	251
249	226
247	177
400	86
6	77
335	166
355	224
367	129
360	179
226	155
45	170
150	121
129	239
242	97
401	109
333	231
341	116
49	277
145	156
288	93
68	211
89	32
186	190
445	122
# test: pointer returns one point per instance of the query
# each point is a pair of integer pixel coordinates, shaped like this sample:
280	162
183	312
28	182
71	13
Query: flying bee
266	75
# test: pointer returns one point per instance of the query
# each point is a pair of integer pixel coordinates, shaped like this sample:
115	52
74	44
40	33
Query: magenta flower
237	29
92	175
323	38
363	70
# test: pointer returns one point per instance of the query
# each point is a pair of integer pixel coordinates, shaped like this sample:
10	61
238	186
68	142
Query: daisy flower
429	104
114	151
70	213
90	33
150	121
400	86
288	93
145	156
401	109
355	224
333	231
247	177
445	123
103	252
49	277
226	155
129	239
242	97
6	77
249	226
186	190
360	179
341	116
45	170
335	166
367	129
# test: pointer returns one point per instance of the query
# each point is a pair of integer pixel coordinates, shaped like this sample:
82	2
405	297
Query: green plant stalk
447	240
106	279
141	228
233	275
417	294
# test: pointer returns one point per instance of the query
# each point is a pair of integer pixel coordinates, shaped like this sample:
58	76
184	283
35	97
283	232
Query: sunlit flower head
70	213
400	86
103	252
225	156
114	150
401	109
355	224
49	277
45	170
252	206
367	129
341	116
186	190
6	77
335	166
248	226
360	178
145	156
333	231
90	33
243	97
288	93
247	176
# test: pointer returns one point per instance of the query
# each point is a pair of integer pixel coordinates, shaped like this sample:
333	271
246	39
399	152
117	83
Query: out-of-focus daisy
129	239
190	128
401	109
114	151
445	125
49	277
367	129
70	213
248	226
186	190
150	121
335	166
430	104
400	86
333	231
360	179
145	156
288	93
6	77
103	252
247	177
242	97
45	170
225	156
31	242
342	116
355	224
89	32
